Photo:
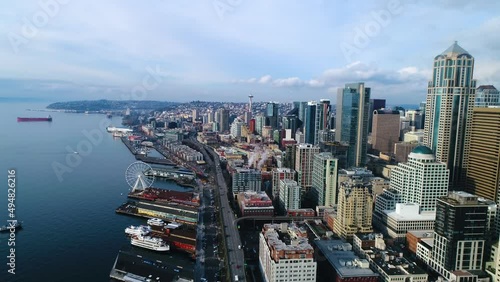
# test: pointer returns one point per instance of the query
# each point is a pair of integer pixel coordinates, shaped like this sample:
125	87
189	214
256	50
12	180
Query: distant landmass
110	105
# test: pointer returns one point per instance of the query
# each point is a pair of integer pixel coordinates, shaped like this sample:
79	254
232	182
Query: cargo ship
20	119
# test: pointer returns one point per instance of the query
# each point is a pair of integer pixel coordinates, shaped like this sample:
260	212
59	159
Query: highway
232	240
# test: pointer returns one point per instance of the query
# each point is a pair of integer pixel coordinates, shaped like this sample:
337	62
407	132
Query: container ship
20	119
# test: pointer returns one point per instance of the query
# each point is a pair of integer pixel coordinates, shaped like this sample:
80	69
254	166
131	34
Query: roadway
235	255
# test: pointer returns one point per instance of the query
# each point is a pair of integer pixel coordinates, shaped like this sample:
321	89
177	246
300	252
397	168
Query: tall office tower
260	122
310	122
375	104
459	233
302	112
272	115
291	122
421	180
450	97
483	169
354	208
385	132
289	156
289	195
300	137
487	95
247	116
352	121
223	119
194	114
204	118
280	173
416	118
324	179
322	118
211	116
304	156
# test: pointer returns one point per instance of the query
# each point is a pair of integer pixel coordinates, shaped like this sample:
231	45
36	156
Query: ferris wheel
139	176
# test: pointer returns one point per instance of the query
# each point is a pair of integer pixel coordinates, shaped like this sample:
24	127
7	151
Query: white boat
156	222
141	230
151	243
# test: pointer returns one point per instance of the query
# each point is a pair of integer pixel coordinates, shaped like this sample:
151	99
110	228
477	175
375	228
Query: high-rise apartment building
483	169
459	233
450	97
487	95
421	180
352	121
304	164
289	194
278	174
324	179
246	180
354	208
385	130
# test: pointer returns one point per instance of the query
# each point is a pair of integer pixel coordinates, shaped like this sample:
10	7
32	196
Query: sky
224	50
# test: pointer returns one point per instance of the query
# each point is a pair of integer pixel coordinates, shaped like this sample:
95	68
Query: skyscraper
421	180
385	130
354	209
487	95
304	164
324	179
375	104
272	115
291	122
222	117
322	118
448	112
310	122
289	194
483	169
459	233
352	121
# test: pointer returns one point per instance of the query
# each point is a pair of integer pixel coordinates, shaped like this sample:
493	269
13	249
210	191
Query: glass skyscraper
352	121
450	99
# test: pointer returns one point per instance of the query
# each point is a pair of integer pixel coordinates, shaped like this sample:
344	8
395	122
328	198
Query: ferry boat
141	230
11	225
156	222
21	119
151	243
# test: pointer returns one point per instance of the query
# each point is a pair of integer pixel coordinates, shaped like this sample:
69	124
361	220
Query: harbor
178	209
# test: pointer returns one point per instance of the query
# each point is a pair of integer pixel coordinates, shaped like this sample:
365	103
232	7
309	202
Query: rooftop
454	50
289	238
393	263
422	150
341	257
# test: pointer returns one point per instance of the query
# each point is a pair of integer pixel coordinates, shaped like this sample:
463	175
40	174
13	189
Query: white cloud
265	79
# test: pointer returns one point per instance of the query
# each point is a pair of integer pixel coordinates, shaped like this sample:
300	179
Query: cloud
265	79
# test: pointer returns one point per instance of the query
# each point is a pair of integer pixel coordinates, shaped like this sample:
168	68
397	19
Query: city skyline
215	50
